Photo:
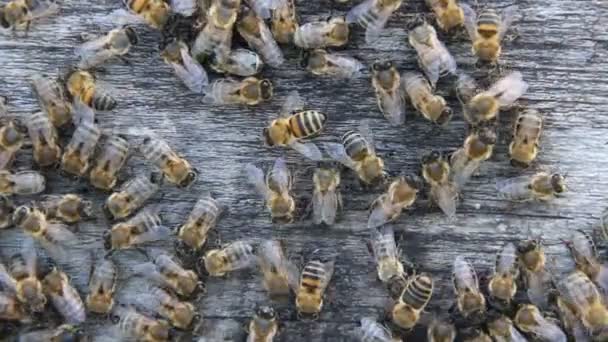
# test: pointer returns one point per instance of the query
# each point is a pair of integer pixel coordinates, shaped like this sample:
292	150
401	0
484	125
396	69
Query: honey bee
477	148
18	14
436	171
141	327
65	332
27	182
583	250
501	328
469	298
44	139
68	208
216	36
154	12
201	220
484	106
106	165
98	50
320	62
82	87
102	284
275	188
144	227
541	187
279	273
530	320
372	15
526	137
532	263
433	57
284	22
175	168
326	198
372	331
401	194
240	62
503	285
189	71
53	236
170	274
52	99
79	151
449	13
441	331
232	257
432	107
358	153
253	29
64	297
295	124
251	91
487	31
387	255
264	325
389	94
11	309
568	314
333	32
178	313
21	278
314	280
7	208
416	295
131	196
11	141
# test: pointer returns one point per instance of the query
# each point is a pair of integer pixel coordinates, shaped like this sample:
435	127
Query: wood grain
562	50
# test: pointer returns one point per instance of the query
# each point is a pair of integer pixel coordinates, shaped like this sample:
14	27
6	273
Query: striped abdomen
100	100
418	291
355	145
488	22
140	189
238	253
307	123
205	211
313	276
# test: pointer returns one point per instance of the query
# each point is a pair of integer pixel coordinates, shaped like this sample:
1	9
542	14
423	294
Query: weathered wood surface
562	50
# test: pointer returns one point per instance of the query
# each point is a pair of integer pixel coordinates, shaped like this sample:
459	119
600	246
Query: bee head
445	116
305	58
20	214
266	312
414	181
487	136
189	179
519	164
382	66
558	183
431	157
132	35
85	208
107	239
266	89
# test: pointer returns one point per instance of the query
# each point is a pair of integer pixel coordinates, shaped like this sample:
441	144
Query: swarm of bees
206	59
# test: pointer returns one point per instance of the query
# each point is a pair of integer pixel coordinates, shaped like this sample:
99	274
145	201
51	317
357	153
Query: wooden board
561	51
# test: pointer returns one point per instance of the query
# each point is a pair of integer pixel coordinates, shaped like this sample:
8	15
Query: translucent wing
28	252
44	8
6	280
466	88
536	281
393	107
191	73
509	88
6	156
246	260
463	174
445	196
280	174
82	113
149	270
470	20
505	260
385	238
184	7
356	13
325	207
366	132
255	176
338	153
432	70
93	52
309	150
154	233
378	216
548	330
515	189
262	7
375	27
292	103
122	17
465	276
28	182
448	63
343	66
507	18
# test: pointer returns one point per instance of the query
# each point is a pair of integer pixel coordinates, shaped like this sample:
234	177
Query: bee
433	57
474	335
201	220
436	171
469	298
131	196
7	208
106	165
541	187
279	273
583	250
21	278
372	331
53	236
79	151
253	29
477	148
175	168
479	107
416	295
441	331
487	31
502	284
333	32
372	15
284	22
530	320
501	328
52	99
387	255
12	310
102	284
65	332
264	325
44	139
27	182
141	327
275	188
569	317
251	91
449	13
170	274
17	14
216	36
154	12
526	138
314	279
389	94
234	256
68	208
98	50
326	197
82	87
532	263
144	227
240	62
189	71
358	153
178	313
11	141
64	297
432	107
320	62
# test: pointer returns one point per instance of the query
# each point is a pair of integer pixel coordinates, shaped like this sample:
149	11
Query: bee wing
393	107
6	156
44	8
325	207
509	88
375	27
338	153
28	182
292	103
93	52
255	176
28	252
366	132
466	88
515	189
270	254
548	330
356	13
344	67
507	18
370	326
155	233
309	150
464	274
377	216
185	7
445	196
122	17
6	280
470	20
280	174
245	261
149	270
191	73
461	176
432	70
536	281
505	260
82	113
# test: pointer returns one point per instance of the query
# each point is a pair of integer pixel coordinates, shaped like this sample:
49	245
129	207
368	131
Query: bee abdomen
103	102
207	207
307	123
488	17
418	291
239	251
313	274
355	145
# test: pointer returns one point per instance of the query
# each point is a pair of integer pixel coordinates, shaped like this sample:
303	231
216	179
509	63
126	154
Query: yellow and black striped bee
487	31
82	87
416	295
314	280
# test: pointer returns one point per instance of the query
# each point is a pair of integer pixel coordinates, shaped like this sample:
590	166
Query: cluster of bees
197	36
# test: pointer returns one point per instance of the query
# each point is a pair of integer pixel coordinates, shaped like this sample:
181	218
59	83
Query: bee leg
124	60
